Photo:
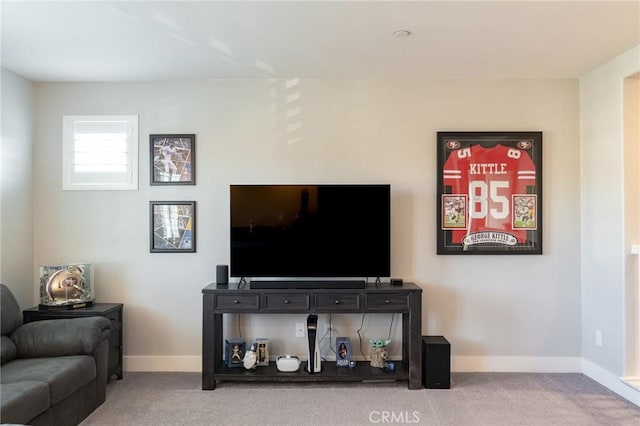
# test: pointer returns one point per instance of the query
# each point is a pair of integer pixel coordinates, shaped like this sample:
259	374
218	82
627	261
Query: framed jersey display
489	193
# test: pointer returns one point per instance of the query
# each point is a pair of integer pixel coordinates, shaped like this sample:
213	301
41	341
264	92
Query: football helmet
66	285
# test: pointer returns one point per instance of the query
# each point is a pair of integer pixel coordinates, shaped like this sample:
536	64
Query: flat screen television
310	231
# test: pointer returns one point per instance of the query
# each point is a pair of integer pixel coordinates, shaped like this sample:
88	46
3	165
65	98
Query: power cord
360	336
329	331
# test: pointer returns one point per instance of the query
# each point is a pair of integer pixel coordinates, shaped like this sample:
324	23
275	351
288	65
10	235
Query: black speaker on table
222	274
436	362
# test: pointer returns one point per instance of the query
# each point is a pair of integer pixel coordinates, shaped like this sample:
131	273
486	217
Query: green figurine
378	352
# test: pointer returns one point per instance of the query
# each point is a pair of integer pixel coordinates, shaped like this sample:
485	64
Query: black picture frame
172	226
489	194
172	158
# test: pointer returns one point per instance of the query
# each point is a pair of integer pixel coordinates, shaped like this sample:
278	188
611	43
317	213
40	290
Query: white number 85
480	193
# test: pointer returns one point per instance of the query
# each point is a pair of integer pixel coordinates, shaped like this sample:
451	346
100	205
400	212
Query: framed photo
489	193
343	351
173	159
172	226
234	349
262	350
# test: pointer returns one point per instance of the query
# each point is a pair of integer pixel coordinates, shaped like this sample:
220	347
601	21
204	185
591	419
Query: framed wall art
489	195
172	226
172	159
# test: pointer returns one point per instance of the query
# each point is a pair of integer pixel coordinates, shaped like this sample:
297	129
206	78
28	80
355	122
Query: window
99	152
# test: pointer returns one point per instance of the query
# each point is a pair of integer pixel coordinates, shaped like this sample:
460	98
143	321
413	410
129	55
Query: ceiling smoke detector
402	33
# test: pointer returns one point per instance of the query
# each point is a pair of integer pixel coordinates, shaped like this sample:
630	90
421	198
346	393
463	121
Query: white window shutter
100	152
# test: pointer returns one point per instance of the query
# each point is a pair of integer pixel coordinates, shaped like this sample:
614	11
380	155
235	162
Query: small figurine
262	351
378	352
250	358
234	351
236	354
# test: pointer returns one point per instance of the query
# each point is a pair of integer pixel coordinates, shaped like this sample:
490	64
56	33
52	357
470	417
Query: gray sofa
53	372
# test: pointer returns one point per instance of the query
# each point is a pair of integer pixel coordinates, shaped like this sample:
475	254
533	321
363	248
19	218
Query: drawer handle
236	301
286	302
387	301
336	302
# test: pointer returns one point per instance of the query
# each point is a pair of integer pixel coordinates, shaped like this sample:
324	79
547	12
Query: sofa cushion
60	337
23	401
64	374
10	313
8	351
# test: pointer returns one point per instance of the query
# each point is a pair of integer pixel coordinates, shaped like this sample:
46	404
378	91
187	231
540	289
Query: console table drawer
287	302
337	302
115	317
237	302
387	302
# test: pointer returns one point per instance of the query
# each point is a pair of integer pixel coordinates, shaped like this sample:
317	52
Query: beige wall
605	248
631	137
16	205
508	308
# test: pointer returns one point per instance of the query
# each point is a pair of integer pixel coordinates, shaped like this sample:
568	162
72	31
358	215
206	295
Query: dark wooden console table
383	298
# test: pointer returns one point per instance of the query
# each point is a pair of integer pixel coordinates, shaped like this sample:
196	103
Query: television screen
310	230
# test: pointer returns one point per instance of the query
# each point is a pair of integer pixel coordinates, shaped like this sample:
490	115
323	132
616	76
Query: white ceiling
143	41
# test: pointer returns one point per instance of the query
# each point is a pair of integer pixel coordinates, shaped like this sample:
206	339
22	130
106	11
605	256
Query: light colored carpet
492	399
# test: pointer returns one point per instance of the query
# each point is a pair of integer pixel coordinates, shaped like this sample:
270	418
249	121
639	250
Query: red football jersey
489	177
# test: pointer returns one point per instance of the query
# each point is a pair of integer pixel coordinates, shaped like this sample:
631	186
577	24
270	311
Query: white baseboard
634	382
512	364
611	381
190	364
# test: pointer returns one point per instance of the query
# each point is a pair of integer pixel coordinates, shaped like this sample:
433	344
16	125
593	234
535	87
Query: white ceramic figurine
250	358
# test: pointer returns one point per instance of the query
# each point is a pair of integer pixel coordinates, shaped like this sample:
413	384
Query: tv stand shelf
374	298
330	373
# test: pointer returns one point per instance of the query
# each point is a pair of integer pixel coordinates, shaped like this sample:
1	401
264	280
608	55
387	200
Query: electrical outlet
299	329
598	338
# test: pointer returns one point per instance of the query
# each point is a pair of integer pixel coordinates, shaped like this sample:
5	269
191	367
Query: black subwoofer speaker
222	274
436	362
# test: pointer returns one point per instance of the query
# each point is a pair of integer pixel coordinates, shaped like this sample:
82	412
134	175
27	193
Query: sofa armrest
61	337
